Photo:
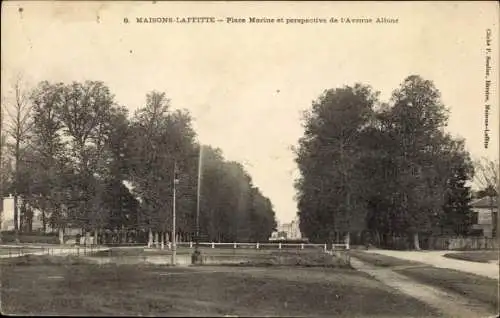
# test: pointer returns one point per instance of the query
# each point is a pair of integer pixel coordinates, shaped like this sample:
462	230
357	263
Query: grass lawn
77	289
482	289
141	251
381	260
484	256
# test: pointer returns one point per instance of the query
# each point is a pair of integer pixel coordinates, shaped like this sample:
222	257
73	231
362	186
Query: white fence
463	243
16	250
257	245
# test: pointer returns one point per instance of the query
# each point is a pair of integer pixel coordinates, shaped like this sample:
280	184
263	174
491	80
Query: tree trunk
96	236
1	204
61	236
87	238
16	218
377	238
30	220
44	221
123	235
150	238
22	215
348	239
416	242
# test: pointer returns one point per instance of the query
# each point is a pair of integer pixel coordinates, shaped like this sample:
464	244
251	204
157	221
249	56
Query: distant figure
367	241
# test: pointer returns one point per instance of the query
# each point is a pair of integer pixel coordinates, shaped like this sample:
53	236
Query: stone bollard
190	244
302	246
234	245
279	246
213	245
257	245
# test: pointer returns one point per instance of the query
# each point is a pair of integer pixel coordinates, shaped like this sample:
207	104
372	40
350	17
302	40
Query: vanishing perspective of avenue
273	173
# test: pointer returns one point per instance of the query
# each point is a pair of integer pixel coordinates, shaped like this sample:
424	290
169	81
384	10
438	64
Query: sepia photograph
249	159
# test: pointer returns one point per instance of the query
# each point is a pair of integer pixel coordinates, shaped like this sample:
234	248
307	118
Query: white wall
8	215
485	220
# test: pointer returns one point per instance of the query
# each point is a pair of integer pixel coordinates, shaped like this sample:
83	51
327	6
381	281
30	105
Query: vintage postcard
249	158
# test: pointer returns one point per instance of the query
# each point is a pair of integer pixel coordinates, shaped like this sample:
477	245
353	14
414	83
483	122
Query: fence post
190	244
279	246
213	245
234	245
302	246
325	247
257	245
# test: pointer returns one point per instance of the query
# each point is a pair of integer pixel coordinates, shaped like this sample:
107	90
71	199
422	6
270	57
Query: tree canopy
82	149
384	167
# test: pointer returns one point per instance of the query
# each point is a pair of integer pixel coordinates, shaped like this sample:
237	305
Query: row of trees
388	169
69	151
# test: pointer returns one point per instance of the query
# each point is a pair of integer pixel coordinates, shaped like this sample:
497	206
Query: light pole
198	196
174	243
196	257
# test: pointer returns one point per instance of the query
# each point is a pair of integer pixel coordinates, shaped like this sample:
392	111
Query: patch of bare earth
448	303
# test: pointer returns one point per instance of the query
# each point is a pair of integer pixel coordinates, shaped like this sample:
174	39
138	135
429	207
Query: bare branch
486	173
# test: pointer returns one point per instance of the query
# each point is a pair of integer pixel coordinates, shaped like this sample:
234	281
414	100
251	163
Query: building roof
486	202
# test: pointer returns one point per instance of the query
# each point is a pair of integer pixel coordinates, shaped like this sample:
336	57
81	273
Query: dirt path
450	305
436	258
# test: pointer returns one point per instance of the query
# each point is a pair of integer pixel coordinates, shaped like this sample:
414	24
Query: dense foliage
85	163
388	169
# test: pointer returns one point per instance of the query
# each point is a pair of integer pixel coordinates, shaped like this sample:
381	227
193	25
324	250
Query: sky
247	84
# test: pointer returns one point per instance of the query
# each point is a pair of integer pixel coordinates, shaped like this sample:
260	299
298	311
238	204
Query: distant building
486	215
7	218
287	231
8	215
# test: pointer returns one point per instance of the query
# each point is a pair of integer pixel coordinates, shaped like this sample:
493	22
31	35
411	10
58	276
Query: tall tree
262	217
457	212
47	161
18	129
160	140
399	173
232	209
418	118
5	165
86	114
330	188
